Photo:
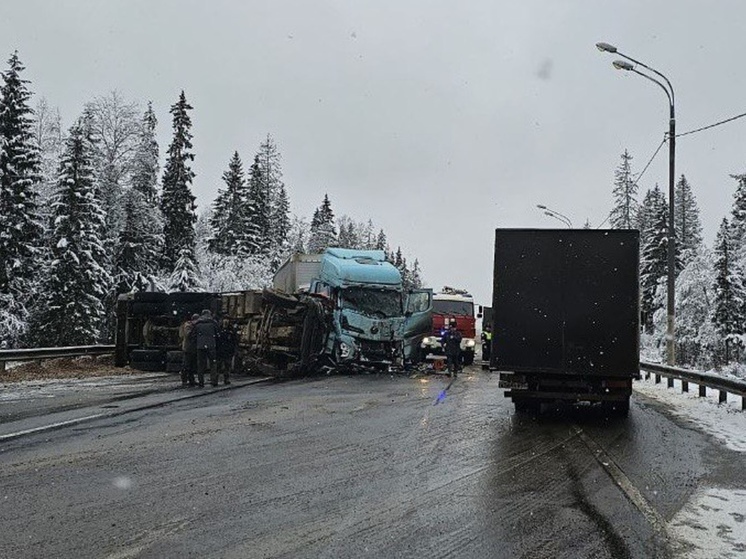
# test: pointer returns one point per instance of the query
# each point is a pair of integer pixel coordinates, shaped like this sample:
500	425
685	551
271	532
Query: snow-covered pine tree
654	261
323	232
686	215
140	241
729	313
76	281
50	141
177	200
20	226
381	241
186	276
259	211
232	232
625	208
347	233
415	275
145	161
269	161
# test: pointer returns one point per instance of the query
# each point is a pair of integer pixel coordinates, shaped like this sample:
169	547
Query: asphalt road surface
362	466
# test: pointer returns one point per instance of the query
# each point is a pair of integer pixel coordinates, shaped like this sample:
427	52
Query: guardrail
703	380
38	353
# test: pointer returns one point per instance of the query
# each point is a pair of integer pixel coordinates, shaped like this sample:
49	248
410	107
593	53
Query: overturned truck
341	311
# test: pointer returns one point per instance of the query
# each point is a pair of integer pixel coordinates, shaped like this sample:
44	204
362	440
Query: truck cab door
418	310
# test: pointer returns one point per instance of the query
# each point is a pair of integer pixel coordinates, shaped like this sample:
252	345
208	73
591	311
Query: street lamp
671	240
556	215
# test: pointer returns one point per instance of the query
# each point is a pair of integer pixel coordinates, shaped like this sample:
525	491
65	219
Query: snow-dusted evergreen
232	230
20	227
186	275
323	231
625	207
688	227
654	258
50	140
76	280
260	209
729	314
738	212
269	161
145	161
177	200
139	244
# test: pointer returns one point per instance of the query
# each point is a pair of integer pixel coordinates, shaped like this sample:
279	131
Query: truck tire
527	405
146	356
172	367
279	299
175	357
151	366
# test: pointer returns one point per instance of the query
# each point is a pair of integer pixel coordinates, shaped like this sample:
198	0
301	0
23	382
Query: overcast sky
439	120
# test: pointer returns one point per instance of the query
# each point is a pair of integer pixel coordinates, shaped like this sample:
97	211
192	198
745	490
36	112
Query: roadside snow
29	390
726	422
712	525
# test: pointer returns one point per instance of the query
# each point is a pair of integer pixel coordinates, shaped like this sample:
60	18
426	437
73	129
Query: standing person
189	347
486	342
205	332
226	349
452	346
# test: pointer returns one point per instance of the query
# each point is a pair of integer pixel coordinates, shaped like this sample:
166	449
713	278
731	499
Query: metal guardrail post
702	391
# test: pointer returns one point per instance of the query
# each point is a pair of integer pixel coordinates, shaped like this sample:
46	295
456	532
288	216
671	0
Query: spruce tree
624	211
145	161
323	232
268	160
259	211
186	276
177	200
687	223
654	261
730	295
381	241
139	243
76	281
281	219
20	227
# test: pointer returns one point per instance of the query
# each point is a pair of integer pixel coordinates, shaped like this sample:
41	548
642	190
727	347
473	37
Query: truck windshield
381	303
458	308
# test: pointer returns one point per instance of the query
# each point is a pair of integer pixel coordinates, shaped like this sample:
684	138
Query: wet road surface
366	466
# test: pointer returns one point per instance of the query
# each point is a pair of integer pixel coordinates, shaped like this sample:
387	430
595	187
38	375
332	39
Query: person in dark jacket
205	332
452	348
189	347
486	342
226	349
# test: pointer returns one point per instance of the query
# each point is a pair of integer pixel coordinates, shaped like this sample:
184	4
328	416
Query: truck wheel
146	355
175	357
146	366
468	358
527	405
279	299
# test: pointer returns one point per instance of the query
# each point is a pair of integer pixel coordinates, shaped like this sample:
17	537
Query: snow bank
712	524
726	422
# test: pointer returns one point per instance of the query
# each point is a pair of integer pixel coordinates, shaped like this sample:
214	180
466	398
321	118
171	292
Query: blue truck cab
375	320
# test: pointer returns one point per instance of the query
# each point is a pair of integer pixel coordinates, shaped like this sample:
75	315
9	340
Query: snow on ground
51	388
712	525
726	422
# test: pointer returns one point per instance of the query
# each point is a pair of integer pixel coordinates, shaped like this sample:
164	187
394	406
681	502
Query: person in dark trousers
189	347
226	349
452	347
205	333
486	342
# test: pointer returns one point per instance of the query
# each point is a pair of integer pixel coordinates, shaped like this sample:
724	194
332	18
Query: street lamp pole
671	240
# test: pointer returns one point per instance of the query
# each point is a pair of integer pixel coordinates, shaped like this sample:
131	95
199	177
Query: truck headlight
470	343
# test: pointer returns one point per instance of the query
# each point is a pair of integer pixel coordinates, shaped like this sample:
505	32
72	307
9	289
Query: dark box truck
566	319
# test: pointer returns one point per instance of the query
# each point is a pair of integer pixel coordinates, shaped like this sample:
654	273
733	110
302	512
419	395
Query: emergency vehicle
452	304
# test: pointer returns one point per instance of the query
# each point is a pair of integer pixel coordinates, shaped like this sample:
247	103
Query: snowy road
375	467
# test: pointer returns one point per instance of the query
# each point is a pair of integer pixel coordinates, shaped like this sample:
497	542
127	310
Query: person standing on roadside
452	346
226	349
205	332
188	347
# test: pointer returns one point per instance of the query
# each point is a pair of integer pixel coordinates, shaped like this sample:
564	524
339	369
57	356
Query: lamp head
623	65
606	47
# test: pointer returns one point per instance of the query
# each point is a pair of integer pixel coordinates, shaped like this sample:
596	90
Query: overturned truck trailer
343	310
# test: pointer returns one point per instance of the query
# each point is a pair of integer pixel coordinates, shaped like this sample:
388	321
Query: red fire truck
452	304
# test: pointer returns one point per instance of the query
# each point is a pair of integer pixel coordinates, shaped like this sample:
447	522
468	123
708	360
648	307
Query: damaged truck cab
373	316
